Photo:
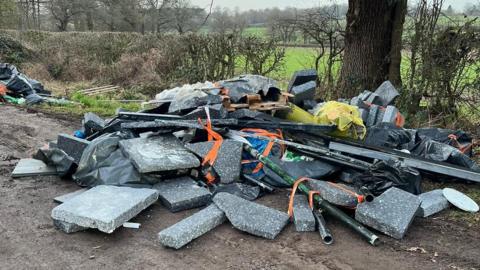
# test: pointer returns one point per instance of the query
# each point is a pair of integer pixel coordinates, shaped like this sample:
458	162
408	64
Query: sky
262	4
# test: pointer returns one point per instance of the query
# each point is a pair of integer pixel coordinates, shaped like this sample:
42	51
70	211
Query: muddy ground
28	239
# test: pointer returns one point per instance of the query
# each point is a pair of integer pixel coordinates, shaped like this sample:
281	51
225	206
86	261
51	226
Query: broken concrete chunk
251	217
68	227
228	163
72	146
182	193
372	115
192	101
65	197
303	92
93	123
390	115
387	93
32	167
334	193
432	202
131	225
391	213
363	114
374	99
183	232
105	207
158	154
301	77
302	214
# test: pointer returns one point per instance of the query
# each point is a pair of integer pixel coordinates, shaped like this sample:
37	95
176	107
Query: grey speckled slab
157	154
182	193
251	217
302	214
105	207
32	167
391	213
432	202
183	232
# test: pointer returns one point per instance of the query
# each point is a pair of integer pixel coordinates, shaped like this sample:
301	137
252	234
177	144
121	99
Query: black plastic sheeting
437	151
388	135
19	84
240	87
442	135
103	163
384	175
64	164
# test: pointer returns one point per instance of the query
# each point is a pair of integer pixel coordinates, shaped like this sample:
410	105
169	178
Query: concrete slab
158	154
302	214
228	163
390	115
65	197
73	146
182	193
105	207
372	115
216	111
301	77
251	217
333	194
432	202
391	213
32	167
302	92
387	93
68	227
183	232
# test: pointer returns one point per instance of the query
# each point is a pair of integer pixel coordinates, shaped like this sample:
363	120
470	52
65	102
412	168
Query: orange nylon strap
211	156
265	133
310	197
400	120
360	198
292	195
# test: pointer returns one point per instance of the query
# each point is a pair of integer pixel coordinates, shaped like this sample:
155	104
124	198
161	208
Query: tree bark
373	37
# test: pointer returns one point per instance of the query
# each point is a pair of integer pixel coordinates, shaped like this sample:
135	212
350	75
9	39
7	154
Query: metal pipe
323	204
322	228
366	193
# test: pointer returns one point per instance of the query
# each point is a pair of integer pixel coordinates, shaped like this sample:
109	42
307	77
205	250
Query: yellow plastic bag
347	119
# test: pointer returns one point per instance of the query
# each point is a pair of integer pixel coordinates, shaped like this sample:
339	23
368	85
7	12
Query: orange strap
400	120
211	156
310	197
265	133
292	195
360	198
3	90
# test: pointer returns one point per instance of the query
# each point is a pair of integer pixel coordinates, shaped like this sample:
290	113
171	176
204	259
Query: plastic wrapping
64	164
388	135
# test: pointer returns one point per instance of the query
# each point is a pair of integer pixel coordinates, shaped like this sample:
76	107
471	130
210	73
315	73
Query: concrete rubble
252	140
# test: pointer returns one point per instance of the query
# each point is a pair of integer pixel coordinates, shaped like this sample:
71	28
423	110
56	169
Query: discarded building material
182	193
303	92
322	228
408	160
105	207
301	77
432	202
387	93
138	116
323	204
460	200
302	214
183	232
251	217
72	146
99	90
337	194
157	154
391	213
68	227
131	225
65	197
32	167
291	126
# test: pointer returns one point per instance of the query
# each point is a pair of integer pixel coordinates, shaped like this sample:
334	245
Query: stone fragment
158	154
216	111
363	114
65	197
390	115
92	123
364	95
131	225
251	217
32	167
249	114
372	115
391	213
228	163
72	146
182	193
387	93
68	227
301	77
302	214
374	99
334	193
432	202
105	207
183	232
241	190
380	114
192	101
303	92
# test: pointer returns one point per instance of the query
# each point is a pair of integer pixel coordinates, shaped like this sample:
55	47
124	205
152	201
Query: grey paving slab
432	202
67	227
302	214
216	111
228	162
65	197
105	207
182	193
251	217
302	92
372	115
387	92
390	115
391	213
333	194
301	77
183	232
32	167
158	154
73	146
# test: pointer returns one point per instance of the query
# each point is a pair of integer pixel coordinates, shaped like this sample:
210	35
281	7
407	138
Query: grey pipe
322	228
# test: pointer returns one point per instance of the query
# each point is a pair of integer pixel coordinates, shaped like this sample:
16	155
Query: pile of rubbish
223	145
17	88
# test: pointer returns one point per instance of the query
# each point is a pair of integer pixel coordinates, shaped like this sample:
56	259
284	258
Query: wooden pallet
100	90
255	103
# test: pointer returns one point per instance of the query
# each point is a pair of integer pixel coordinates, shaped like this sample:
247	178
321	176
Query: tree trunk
373	37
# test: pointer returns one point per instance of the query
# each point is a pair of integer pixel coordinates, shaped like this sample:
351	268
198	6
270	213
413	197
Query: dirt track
28	240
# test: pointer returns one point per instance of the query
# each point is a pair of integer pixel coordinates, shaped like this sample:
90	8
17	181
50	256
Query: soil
28	239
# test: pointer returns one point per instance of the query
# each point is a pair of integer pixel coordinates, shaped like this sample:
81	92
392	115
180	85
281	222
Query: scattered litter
131	225
460	200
